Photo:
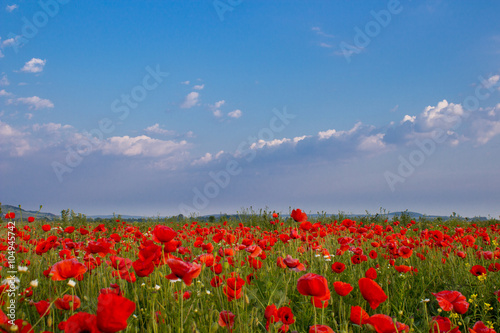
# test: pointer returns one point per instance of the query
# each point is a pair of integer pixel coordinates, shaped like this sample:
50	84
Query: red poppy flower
442	325
31	219
226	318
163	234
83	231
67	302
112	312
4	321
342	288
372	292
338	267
183	270
233	288
42	307
405	252
80	322
216	281
494	267
286	316
46	227
100	247
254	250
217	269
477	270
371	273
312	284
120	264
373	254
43	246
143	268
186	295
452	300
113	289
280	263
358	315
320	329
385	324
293	264
480	327
66	269
356	259
271	314
298	215
403	268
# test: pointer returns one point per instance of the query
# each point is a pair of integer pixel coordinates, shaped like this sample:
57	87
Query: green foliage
155	298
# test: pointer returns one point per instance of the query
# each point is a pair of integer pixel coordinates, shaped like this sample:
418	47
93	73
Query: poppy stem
322	314
182	308
315	320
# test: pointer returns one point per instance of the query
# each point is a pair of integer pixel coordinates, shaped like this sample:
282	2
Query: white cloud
185	82
1	54
219	154
492	81
13	141
35	65
235	114
326	45
36	102
276	142
329	133
320	32
4	81
5	93
443	115
141	146
28	116
485	130
372	142
51	127
395	108
203	160
9	42
411	119
207	158
158	130
55	135
11	8
218	104
199	87
216	108
190	100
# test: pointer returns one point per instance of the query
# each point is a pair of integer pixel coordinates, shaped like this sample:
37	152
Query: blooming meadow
266	273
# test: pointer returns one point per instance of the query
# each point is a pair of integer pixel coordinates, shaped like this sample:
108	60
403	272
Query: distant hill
124	217
27	213
50	216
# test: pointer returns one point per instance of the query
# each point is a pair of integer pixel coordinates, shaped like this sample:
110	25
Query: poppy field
262	273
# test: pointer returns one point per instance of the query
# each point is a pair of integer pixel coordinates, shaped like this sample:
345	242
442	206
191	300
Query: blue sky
213	106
